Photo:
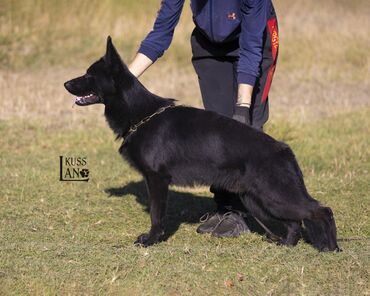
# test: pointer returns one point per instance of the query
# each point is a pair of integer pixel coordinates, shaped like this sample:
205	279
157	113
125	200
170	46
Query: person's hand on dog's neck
140	63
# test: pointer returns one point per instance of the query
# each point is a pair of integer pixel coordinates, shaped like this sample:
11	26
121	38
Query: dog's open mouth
88	100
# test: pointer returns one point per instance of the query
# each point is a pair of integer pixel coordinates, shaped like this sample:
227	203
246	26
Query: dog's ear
112	57
116	66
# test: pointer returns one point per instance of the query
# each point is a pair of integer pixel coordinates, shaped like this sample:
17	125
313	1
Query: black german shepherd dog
186	146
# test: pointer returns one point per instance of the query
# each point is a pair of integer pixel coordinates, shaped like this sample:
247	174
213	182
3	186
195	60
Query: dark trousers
216	66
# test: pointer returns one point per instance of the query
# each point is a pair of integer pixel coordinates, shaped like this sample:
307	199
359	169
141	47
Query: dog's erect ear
111	55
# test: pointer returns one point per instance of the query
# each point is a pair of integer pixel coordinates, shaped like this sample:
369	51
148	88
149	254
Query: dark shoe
231	225
208	222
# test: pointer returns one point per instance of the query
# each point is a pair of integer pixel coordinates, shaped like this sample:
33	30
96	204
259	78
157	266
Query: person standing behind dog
235	48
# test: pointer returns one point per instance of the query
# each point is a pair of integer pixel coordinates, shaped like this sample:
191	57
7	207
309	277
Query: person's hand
241	111
242	114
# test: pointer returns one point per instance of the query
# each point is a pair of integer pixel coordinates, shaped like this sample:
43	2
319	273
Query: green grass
66	238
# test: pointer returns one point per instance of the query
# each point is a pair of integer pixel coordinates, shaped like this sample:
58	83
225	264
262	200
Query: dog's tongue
87	100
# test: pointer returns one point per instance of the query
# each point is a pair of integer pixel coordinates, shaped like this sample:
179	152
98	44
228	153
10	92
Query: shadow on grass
182	207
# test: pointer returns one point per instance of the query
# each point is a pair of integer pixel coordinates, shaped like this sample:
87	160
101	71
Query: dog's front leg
157	187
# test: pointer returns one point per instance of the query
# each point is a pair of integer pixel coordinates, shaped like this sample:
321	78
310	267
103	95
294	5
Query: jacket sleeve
159	39
253	24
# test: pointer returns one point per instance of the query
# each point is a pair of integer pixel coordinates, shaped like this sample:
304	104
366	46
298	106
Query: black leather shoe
208	222
231	225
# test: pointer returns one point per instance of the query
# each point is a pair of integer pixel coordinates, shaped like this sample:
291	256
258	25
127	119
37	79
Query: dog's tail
321	229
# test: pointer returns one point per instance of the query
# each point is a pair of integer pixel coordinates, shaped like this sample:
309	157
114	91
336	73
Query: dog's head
98	85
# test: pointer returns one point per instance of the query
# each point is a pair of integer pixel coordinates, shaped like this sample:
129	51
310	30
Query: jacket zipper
211	19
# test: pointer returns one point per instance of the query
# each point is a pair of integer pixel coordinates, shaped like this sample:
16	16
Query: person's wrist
140	63
244	95
243	104
133	70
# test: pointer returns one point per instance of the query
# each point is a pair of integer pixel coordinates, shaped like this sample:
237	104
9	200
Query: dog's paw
145	240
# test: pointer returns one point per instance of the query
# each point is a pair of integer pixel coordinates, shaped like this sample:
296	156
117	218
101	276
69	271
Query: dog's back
199	144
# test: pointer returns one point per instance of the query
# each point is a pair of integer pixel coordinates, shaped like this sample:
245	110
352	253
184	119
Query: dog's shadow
183	207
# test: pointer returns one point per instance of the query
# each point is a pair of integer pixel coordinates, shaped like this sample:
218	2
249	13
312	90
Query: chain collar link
134	127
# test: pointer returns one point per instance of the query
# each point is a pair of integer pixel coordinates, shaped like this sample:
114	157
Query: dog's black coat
187	146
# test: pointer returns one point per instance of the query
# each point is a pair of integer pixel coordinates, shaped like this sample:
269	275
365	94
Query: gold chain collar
134	127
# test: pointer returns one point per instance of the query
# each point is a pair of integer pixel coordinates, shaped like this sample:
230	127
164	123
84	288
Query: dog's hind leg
297	205
254	208
258	211
319	221
157	187
321	229
260	215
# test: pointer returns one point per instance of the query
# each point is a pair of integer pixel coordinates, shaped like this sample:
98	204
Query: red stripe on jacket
274	35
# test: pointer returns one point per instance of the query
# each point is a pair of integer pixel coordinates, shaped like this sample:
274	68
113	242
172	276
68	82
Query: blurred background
323	66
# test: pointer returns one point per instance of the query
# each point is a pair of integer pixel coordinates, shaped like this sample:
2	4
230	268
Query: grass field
60	238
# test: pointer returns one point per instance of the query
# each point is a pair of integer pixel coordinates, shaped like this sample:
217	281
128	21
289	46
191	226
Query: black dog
181	145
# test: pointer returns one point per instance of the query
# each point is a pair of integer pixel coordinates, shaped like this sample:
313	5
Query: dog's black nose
67	85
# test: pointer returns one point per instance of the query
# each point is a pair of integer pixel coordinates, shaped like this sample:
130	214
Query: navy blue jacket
220	21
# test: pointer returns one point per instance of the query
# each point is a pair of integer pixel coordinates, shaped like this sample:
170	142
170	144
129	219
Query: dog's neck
132	104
